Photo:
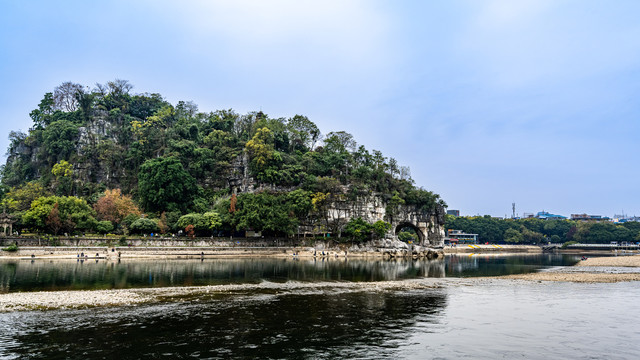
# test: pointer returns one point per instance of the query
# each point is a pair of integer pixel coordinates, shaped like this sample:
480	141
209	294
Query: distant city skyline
488	102
524	213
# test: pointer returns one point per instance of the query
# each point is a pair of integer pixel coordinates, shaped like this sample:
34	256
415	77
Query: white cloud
518	44
510	13
351	31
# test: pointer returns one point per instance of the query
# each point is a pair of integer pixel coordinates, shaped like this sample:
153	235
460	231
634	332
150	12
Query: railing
605	246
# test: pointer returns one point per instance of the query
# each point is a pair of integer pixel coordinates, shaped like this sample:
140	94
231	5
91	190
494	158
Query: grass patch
11	248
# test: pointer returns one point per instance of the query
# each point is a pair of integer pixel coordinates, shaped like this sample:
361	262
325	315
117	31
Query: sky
489	102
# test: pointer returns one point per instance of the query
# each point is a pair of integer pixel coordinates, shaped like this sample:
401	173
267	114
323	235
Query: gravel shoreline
628	261
596	270
49	300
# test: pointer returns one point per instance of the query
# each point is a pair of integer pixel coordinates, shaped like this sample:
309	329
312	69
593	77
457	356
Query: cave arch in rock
416	229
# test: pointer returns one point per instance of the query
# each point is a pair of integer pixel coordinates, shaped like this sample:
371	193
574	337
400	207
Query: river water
458	317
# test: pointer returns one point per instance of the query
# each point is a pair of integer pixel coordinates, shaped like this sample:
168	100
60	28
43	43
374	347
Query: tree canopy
126	154
536	231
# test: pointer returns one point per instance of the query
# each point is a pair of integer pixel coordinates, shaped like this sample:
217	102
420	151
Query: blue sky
488	102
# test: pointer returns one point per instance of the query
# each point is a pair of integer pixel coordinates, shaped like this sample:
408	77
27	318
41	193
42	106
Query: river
462	316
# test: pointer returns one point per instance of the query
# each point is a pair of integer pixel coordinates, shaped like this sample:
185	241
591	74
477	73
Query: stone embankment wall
214	247
156	242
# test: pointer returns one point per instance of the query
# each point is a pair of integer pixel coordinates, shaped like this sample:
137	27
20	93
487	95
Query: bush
194	219
566	244
202	223
103	227
358	229
407	236
380	228
144	226
129	219
11	248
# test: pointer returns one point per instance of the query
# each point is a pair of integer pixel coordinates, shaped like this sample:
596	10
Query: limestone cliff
429	225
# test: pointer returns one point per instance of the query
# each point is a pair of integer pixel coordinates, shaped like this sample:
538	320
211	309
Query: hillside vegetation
108	160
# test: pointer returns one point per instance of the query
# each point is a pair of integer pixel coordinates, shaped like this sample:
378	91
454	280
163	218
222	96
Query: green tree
195	219
299	203
104	227
143	226
59	140
19	199
304	132
63	172
261	149
358	230
164	185
272	213
513	236
212	220
393	206
380	228
407	236
42	115
530	236
71	214
202	223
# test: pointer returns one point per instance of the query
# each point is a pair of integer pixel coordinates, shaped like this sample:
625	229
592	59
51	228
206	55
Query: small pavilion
6	221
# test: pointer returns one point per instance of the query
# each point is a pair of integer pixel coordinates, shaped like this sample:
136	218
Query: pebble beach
592	270
48	300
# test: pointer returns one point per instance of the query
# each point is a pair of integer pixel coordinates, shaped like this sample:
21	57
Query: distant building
460	237
544	215
585	217
455	213
527	215
624	218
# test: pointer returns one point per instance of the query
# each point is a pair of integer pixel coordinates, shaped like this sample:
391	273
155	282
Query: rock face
90	137
429	225
239	180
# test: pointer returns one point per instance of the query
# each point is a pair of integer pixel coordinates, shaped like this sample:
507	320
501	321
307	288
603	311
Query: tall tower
513	209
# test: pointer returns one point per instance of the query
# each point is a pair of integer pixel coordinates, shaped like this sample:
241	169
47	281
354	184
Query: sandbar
597	270
69	299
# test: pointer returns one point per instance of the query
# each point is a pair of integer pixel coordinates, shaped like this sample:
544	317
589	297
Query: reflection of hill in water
343	324
72	274
495	265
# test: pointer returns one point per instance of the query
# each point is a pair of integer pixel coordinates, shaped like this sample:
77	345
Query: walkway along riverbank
242	247
211	247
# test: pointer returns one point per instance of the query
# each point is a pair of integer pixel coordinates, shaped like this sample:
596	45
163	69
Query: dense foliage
535	231
114	155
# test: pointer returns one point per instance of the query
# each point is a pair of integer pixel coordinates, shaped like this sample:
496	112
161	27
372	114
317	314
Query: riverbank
624	261
191	252
318	249
492	248
592	270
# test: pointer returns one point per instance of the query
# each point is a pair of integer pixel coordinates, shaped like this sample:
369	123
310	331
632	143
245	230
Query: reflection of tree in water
492	265
324	325
63	275
7	273
72	274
